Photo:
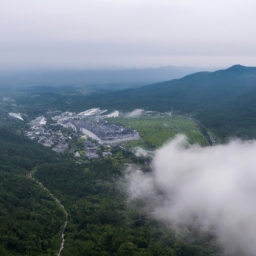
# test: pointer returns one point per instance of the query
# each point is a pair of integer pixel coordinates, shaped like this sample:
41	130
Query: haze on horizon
127	33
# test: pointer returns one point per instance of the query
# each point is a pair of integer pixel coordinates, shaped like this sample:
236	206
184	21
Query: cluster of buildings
103	131
63	127
93	123
91	150
47	136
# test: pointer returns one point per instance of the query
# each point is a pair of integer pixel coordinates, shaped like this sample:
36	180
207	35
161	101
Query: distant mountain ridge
224	100
112	78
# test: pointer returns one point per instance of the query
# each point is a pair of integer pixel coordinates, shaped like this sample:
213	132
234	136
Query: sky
126	33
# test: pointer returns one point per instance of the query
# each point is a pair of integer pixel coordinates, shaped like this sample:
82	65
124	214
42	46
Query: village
86	135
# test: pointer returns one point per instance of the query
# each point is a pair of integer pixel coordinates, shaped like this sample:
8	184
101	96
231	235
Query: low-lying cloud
210	188
138	151
135	113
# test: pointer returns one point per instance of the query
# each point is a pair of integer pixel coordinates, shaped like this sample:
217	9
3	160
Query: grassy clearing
155	131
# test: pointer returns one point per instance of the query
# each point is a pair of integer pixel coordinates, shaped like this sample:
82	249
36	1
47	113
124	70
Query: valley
127	128
149	129
86	176
82	152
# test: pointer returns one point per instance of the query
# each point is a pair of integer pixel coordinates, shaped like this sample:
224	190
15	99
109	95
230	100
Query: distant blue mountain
113	79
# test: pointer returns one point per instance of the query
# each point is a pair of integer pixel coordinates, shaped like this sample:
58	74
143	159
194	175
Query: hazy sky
127	33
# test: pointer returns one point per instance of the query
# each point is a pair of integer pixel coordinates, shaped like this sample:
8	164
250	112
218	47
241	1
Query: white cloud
213	188
135	113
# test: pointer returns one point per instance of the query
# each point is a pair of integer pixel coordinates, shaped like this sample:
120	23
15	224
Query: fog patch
141	152
135	113
210	188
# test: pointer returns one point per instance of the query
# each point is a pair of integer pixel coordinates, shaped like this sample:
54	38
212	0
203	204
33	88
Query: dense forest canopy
100	222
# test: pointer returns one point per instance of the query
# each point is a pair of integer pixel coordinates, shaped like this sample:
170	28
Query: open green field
155	131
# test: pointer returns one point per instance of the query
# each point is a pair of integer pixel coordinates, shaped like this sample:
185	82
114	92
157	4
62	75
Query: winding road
203	130
62	207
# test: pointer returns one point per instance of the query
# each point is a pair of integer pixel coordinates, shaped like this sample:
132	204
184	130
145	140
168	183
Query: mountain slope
101	223
30	220
224	101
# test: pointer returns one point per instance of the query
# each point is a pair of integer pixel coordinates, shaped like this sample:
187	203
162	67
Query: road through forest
59	203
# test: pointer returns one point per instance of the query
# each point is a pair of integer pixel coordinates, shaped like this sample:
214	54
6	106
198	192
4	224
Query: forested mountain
224	101
99	220
30	220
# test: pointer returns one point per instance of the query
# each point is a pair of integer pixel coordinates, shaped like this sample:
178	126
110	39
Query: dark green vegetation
156	131
30	220
100	222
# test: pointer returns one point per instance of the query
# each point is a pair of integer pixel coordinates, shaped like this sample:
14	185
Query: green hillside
224	101
30	220
156	131
100	222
